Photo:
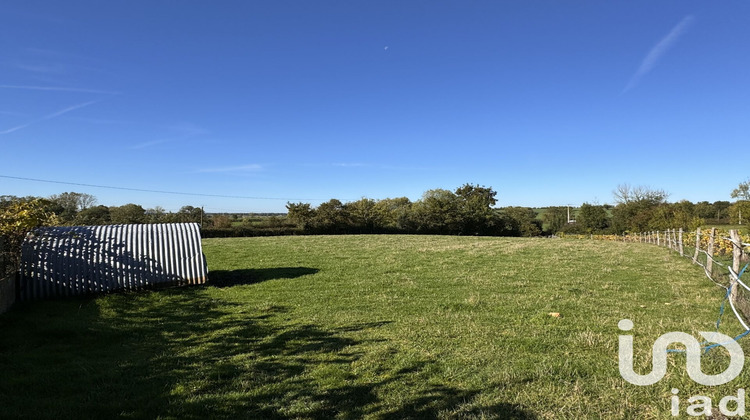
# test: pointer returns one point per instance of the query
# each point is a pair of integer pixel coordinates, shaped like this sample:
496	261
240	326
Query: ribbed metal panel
76	260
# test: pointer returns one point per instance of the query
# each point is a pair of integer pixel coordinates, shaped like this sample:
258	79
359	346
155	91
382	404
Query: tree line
467	210
641	209
72	208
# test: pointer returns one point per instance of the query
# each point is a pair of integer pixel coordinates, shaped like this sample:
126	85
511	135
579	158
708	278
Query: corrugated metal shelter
76	260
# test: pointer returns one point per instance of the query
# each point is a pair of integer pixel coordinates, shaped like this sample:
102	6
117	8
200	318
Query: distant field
370	326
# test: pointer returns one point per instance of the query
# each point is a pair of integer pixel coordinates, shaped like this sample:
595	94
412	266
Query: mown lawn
370	326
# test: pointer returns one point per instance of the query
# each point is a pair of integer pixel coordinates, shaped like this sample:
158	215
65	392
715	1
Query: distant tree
190	214
157	215
721	208
300	214
625	194
704	210
555	218
742	192
636	206
739	212
363	215
475	213
524	221
484	197
275	221
127	214
70	203
438	212
8	200
592	218
97	215
660	218
684	215
330	217
395	214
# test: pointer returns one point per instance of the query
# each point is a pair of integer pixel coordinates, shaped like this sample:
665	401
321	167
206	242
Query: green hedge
247	231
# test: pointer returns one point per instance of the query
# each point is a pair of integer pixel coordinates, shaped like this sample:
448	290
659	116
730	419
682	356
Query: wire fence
723	255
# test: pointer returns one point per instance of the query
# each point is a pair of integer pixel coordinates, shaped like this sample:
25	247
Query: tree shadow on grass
230	278
183	353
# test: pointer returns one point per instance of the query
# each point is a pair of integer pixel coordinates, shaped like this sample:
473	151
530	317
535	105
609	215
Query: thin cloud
59	89
658	51
49	116
66	110
175	132
16	128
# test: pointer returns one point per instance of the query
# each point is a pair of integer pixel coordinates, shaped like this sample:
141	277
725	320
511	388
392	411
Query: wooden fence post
679	245
697	245
710	251
658	239
736	250
736	259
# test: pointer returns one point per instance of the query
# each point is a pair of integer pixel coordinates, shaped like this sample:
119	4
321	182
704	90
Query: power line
159	191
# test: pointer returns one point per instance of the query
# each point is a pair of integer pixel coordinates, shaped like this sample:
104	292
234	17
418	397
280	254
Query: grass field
370	326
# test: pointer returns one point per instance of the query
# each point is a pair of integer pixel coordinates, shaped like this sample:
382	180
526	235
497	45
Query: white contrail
16	128
49	116
66	110
657	51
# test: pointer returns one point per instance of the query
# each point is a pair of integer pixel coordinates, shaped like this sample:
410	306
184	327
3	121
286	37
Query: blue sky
549	103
